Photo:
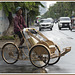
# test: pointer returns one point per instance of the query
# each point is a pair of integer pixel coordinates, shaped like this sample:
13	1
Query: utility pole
26	16
27	20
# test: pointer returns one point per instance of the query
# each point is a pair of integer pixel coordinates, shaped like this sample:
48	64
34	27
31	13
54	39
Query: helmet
17	9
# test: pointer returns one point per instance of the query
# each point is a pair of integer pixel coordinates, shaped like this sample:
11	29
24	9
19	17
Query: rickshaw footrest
65	50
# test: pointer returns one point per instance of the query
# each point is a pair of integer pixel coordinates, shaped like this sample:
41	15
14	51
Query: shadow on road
56	69
21	69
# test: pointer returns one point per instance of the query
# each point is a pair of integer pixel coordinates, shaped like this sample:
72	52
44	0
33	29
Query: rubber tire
3	54
57	59
50	28
59	28
32	50
69	28
39	29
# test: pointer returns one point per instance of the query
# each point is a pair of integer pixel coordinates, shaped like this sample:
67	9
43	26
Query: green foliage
0	5
32	7
60	9
7	38
11	6
8	7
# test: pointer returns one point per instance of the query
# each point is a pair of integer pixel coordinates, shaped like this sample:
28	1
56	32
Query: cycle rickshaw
42	51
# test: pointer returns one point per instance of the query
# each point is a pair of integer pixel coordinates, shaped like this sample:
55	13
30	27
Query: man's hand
20	29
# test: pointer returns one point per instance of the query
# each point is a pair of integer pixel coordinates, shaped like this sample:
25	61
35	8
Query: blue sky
50	3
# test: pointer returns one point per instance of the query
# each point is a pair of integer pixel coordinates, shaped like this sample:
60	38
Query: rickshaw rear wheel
39	56
10	53
56	59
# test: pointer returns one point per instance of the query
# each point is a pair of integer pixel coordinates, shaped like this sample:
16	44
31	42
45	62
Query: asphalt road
63	38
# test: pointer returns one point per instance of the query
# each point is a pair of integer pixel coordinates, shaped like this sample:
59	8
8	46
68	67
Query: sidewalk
2	42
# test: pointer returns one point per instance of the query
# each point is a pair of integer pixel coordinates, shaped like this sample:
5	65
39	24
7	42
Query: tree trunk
10	17
10	29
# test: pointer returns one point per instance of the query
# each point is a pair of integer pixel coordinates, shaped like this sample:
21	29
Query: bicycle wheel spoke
10	53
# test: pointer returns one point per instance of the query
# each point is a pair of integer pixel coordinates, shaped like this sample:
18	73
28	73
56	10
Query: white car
51	20
45	23
64	22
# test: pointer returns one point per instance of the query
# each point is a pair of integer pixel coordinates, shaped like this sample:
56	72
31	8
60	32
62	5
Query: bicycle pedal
16	52
25	58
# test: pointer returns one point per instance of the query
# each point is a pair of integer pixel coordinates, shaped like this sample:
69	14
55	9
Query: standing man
19	24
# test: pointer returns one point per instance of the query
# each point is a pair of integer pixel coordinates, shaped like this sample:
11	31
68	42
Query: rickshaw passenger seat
32	41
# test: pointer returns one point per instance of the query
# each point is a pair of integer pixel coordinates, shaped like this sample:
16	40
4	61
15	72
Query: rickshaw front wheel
55	57
39	56
10	53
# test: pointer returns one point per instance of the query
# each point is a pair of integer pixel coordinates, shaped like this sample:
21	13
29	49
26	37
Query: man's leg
21	41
